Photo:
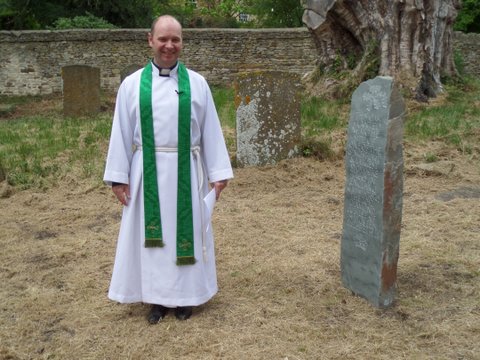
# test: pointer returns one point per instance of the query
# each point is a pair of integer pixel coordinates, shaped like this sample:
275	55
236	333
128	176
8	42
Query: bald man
166	152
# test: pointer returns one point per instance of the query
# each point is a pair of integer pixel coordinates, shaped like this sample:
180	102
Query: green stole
153	225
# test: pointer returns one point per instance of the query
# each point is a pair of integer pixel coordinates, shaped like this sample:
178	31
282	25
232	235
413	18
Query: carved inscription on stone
373	191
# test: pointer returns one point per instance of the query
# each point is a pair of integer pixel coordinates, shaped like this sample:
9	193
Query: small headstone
373	192
81	90
268	117
130	69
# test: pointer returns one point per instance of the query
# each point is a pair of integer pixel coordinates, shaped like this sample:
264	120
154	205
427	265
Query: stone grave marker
130	69
268	117
81	90
373	192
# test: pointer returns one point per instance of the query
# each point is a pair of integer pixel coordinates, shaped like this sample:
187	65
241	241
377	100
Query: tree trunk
410	40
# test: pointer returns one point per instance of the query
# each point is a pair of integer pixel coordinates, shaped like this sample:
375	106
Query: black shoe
157	313
183	312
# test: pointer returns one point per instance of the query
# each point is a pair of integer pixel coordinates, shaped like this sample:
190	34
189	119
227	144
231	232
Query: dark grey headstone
373	192
81	90
268	117
130	69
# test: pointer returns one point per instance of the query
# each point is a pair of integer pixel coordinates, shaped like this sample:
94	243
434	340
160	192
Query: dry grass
278	231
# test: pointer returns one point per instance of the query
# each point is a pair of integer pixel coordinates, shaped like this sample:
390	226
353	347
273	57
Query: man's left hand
219	186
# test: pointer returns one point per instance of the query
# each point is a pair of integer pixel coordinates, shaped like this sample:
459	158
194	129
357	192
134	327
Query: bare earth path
278	232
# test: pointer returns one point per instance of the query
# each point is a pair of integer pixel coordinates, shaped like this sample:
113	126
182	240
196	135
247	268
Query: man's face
166	42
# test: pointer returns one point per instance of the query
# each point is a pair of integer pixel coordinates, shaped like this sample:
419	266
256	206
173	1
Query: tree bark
410	40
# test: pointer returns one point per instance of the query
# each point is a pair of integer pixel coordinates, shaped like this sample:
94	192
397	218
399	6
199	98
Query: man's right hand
122	192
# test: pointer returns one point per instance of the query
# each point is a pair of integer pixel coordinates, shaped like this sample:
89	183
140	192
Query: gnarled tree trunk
410	40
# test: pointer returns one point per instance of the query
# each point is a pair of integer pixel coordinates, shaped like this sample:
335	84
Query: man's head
165	39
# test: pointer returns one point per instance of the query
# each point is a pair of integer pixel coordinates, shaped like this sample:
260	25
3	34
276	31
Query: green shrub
87	21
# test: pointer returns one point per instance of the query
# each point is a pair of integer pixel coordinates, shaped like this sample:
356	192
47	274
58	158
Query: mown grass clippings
277	230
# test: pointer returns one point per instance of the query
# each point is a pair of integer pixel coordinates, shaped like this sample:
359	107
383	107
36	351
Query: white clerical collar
165	72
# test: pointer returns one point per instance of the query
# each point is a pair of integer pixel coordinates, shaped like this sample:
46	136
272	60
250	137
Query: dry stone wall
468	46
32	60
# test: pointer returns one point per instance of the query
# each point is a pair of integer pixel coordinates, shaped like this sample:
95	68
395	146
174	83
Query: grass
37	150
277	241
277	237
223	98
319	115
322	120
454	118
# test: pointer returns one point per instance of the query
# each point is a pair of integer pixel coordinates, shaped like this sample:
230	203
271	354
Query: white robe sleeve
120	150
216	158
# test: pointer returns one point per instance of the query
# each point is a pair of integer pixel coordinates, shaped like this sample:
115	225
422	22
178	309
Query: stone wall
32	60
468	45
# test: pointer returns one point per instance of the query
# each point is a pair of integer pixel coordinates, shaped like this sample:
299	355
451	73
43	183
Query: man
166	145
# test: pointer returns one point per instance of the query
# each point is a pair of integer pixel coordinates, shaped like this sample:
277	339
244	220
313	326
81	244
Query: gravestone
81	90
130	69
373	192
268	117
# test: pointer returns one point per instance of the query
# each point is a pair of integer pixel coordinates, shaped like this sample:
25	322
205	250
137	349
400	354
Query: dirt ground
278	231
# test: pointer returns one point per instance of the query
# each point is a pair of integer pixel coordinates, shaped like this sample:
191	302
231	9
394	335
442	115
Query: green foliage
372	60
123	13
222	15
37	151
430	157
17	15
317	148
276	13
61	14
88	21
224	102
468	19
27	14
459	62
455	121
319	115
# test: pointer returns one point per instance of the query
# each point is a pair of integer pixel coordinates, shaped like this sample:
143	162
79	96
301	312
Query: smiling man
166	146
165	39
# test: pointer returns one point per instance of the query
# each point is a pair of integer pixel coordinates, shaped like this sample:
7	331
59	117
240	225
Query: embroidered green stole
153	226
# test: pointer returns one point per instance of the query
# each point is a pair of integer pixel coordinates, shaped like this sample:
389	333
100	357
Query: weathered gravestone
130	69
81	90
268	117
373	192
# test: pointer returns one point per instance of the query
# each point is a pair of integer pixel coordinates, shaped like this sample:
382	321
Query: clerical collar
165	72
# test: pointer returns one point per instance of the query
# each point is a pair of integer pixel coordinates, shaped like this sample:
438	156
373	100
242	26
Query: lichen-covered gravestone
268	117
81	90
373	192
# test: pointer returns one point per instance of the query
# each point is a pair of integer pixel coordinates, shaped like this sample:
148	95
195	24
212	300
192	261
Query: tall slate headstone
268	117
373	192
81	90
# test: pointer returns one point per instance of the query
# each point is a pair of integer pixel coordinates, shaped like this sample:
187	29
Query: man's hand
122	192
219	186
